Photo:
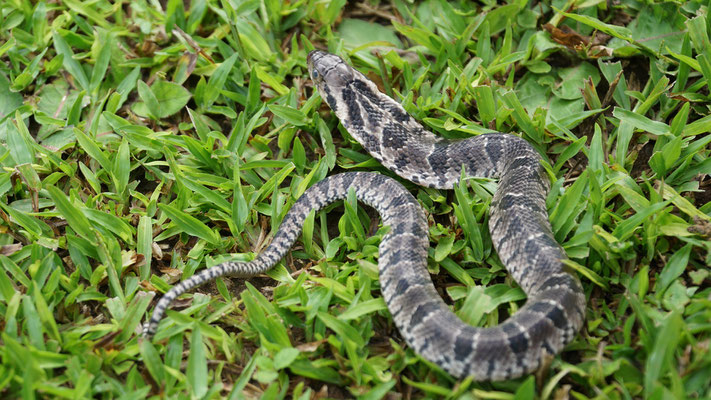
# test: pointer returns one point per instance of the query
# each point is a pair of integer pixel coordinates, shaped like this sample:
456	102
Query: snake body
518	223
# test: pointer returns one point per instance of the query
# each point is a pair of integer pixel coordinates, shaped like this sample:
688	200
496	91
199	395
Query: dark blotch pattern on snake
519	226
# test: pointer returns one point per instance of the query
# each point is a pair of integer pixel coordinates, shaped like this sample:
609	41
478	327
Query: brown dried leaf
700	227
311	346
567	37
10	249
599	51
172	272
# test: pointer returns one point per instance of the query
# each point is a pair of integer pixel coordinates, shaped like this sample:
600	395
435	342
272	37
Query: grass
142	141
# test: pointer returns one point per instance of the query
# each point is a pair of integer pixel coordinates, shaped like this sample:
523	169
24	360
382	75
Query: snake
518	224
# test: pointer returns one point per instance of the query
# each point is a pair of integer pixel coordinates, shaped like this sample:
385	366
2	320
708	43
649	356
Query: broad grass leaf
356	33
285	357
92	149
626	228
273	81
72	65
32	225
351	215
196	372
299	155
612	72
570	151
135	311
144	244
20	143
218	79
663	160
322	372
612	30
680	119
596	154
7	288
363	308
189	224
74	217
668	193
379	391
240	210
307	232
475	305
152	360
467	220
661	86
89	11
437	390
53	99
101	48
420	36
342	329
569	206
327	143
701	125
587	272
523	120
641	122
264	319
162	99
675	266
122	167
661	354
11	100
213	197
150	100
75	111
443	248
704	60
45	315
291	115
274	181
501	17
573	80
527	390
485	103
253	41
125	87
637	201
33	324
112	223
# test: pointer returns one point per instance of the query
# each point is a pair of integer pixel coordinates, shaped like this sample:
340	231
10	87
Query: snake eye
314	75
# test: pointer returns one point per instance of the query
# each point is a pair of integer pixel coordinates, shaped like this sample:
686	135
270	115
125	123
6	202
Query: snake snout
314	60
314	53
328	68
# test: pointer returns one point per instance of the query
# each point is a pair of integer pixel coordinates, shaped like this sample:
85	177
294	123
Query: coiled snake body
518	223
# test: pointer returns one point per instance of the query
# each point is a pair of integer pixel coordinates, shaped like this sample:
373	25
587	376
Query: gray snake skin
518	223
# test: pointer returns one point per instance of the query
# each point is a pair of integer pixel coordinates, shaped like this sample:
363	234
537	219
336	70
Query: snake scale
518	223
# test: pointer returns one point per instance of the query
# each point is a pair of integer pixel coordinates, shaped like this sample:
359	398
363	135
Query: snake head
328	70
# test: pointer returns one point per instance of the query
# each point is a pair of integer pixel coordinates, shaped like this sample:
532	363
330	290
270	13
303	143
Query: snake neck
389	134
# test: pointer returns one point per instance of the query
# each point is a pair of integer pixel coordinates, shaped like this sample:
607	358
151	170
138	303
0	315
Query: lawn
144	141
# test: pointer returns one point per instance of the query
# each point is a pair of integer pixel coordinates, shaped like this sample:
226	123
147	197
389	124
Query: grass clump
143	141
